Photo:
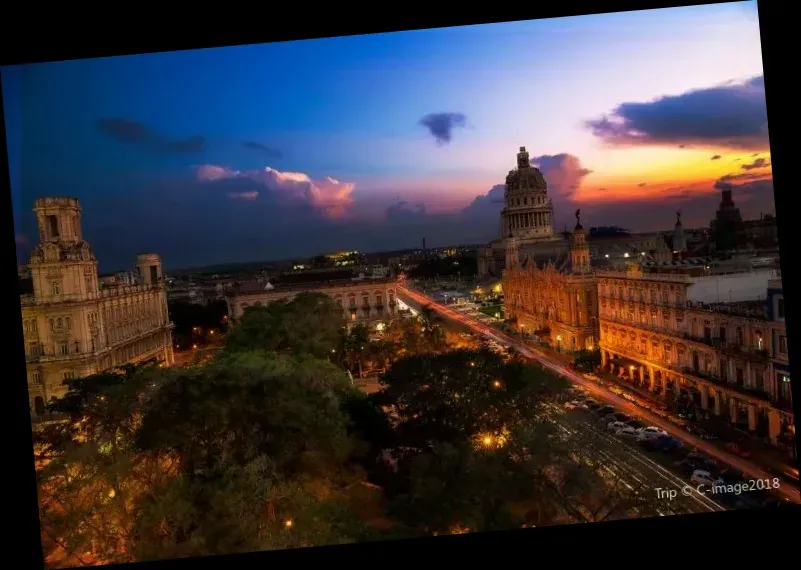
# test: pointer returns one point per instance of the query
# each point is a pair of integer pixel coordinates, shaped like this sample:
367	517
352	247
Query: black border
689	539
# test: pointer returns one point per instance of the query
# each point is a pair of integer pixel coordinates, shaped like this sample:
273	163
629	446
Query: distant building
528	217
72	326
363	300
727	227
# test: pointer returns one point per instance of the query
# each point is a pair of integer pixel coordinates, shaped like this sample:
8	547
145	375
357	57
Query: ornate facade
552	302
369	301
722	359
527	212
73	327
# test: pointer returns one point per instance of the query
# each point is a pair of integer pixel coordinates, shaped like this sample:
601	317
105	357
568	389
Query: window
33	325
56	287
780	308
339	302
722	334
783	344
68	322
759	340
352	301
664	298
68	375
653	295
36	378
59	323
52	225
64	349
739	336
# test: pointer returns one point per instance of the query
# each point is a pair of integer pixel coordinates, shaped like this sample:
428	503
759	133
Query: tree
460	394
249	404
433	333
311	323
356	343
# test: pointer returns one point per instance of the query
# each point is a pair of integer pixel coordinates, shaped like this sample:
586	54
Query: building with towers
528	216
727	227
75	326
558	304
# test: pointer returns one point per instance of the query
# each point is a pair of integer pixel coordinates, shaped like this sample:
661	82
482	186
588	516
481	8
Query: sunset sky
374	142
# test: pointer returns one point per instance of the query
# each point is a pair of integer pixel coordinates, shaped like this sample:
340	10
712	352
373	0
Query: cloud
269	151
403	211
441	125
732	115
251	195
327	195
563	173
134	132
716	157
758	163
486	205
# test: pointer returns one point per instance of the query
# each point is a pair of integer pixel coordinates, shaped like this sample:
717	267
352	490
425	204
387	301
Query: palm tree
433	335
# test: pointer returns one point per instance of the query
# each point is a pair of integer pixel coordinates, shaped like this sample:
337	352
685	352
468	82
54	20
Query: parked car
650	432
614	426
732	476
692	462
605	410
593	405
701	477
662	442
617	417
636	424
627	432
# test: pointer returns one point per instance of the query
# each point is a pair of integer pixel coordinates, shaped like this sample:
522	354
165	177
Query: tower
62	265
727	226
148	266
679	243
579	250
527	212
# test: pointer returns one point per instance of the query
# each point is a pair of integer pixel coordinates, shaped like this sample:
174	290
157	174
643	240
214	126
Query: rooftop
279	286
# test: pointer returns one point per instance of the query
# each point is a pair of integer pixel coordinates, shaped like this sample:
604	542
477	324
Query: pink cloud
327	194
244	195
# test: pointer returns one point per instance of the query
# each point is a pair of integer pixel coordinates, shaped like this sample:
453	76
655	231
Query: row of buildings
717	339
75	323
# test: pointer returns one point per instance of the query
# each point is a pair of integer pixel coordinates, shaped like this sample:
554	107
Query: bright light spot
486	440
288	523
111	493
379	327
606	256
559	337
194	347
497	384
625	255
497	315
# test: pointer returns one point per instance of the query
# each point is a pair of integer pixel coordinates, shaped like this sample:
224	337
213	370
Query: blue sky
276	150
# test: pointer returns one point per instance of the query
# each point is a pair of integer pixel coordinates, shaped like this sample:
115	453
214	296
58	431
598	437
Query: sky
374	142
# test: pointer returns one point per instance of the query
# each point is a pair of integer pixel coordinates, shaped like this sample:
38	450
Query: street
631	462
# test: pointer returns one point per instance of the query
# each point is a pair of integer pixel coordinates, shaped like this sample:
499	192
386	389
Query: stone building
528	216
557	302
720	356
72	326
371	301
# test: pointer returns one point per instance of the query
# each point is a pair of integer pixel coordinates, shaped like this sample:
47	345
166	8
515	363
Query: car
694	461
605	410
662	442
636	424
654	430
618	417
702	477
627	432
614	426
571	405
732	476
593	405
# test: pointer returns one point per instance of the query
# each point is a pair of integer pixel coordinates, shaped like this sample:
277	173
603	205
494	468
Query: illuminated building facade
559	303
72	326
372	302
722	358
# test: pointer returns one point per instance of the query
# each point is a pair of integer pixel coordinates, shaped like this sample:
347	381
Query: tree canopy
311	323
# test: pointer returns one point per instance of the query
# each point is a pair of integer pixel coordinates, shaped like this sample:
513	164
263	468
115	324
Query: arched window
56	286
68	321
59	323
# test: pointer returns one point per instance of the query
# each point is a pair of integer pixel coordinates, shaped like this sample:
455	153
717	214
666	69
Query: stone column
678	386
603	359
631	373
642	374
704	397
748	380
622	371
774	425
752	418
733	410
651	379
717	403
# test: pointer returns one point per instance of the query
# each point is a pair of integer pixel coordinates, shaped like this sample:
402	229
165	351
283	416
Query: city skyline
374	142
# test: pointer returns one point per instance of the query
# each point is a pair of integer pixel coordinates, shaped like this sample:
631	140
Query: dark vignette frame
717	534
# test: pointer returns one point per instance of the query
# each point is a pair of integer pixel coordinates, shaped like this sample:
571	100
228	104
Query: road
632	458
